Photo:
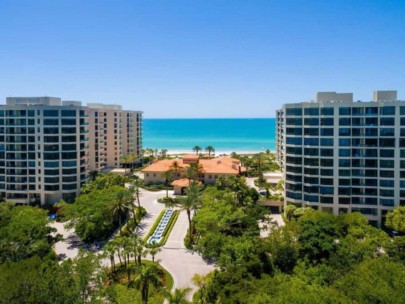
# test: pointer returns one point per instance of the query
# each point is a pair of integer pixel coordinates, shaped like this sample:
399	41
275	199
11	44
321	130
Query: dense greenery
103	207
24	233
315	258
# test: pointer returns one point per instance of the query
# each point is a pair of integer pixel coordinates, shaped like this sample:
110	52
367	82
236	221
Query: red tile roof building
209	169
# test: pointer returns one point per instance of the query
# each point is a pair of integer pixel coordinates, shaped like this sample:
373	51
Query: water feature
157	235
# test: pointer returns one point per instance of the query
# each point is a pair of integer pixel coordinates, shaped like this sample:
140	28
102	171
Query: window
51	113
344	131
387	121
311	141
294	111
344	121
386	153
388	183
387	110
326	152
326	131
327	111
327	142
311	111
66	113
387	132
345	111
344	152
326	121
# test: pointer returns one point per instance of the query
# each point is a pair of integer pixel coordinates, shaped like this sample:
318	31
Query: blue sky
200	58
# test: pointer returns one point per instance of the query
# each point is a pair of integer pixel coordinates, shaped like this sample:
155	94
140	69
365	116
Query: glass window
327	111
326	152
385	163
343	162
387	110
294	111
327	142
344	152
344	132
387	121
344	142
51	122
388	183
326	121
386	153
293	140
326	131
311	111
327	162
311	121
344	121
311	131
345	111
327	172
51	113
387	142
66	113
387	132
311	141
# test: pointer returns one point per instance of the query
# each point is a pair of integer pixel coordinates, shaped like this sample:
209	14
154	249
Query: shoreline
216	153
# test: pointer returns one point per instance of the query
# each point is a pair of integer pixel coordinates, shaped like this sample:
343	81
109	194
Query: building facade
343	156
48	147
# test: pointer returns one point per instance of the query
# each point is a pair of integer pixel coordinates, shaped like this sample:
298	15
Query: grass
168	228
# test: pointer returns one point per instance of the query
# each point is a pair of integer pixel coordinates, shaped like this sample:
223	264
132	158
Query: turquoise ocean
225	135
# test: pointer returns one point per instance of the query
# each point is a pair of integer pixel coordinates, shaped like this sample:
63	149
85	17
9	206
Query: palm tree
121	204
175	167
153	250
146	276
178	296
168	176
163	153
209	149
190	202
109	251
135	190
93	175
197	149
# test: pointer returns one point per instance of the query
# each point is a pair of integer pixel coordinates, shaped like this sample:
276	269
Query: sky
200	58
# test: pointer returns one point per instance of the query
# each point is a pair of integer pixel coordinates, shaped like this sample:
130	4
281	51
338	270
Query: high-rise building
48	146
343	156
115	133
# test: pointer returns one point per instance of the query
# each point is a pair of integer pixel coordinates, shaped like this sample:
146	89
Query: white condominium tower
48	147
343	156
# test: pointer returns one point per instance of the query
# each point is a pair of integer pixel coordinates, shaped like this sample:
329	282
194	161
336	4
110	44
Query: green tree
24	232
374	281
289	211
396	219
153	250
168	176
147	275
197	149
318	232
178	296
189	203
120	205
209	149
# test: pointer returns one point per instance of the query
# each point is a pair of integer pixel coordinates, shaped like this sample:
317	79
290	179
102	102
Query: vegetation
103	207
396	219
316	258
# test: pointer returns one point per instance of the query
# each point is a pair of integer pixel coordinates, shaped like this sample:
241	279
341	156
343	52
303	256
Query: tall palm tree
147	275
175	167
168	176
197	149
209	149
135	190
153	250
178	296
109	251
120	205
163	153
190	202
